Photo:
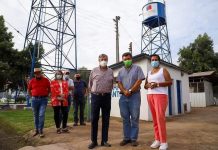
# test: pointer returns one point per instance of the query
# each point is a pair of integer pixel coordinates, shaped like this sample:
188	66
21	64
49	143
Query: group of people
129	81
101	81
62	91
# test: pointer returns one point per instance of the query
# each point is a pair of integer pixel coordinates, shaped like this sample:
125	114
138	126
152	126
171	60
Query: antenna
52	27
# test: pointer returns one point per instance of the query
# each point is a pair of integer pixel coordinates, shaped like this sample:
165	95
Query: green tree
14	64
6	50
199	55
84	72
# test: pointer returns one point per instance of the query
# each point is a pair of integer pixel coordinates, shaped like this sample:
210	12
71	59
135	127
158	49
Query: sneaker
83	124
105	144
93	145
75	124
41	135
163	146
134	143
124	142
58	131
36	133
155	144
65	130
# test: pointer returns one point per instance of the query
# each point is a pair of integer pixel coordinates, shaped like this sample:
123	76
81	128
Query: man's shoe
124	142
155	144
75	124
105	144
65	130
92	145
163	146
41	135
58	131
36	133
82	124
134	143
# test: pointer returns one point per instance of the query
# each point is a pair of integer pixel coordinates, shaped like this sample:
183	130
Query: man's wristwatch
158	85
130	91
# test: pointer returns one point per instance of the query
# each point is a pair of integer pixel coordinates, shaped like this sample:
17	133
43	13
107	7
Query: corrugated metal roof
202	74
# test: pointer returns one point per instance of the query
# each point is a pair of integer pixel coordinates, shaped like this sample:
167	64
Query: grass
21	121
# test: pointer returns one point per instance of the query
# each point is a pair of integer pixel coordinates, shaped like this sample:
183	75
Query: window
196	87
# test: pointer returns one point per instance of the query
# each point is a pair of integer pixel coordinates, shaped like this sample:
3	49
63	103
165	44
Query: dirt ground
197	130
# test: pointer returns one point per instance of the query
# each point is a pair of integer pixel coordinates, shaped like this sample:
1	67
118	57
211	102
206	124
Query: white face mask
66	77
58	77
103	63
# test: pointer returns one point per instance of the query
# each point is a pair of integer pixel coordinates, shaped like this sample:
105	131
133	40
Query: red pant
158	104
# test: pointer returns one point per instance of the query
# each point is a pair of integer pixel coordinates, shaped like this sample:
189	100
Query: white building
203	89
178	92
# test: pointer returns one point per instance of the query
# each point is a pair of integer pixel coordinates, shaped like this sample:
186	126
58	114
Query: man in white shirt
71	87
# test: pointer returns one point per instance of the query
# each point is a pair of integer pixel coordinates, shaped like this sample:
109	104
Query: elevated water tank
154	14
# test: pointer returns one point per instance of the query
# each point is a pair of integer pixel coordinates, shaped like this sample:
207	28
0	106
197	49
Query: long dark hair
58	71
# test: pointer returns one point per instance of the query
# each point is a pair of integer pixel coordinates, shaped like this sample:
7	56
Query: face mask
103	63
38	78
155	64
66	77
78	78
127	63
58	77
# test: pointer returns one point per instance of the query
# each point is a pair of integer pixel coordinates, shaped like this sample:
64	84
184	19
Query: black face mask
38	78
78	78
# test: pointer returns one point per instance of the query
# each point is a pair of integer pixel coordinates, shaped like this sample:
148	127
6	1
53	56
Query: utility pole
130	47
117	37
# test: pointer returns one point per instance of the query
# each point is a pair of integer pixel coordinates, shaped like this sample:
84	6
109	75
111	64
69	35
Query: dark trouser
79	105
58	110
98	102
69	101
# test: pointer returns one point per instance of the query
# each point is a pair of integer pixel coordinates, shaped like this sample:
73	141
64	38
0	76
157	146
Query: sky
186	19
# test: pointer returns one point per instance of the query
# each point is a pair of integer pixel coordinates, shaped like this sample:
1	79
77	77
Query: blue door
179	99
170	100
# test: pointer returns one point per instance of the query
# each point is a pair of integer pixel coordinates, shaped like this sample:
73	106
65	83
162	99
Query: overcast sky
186	19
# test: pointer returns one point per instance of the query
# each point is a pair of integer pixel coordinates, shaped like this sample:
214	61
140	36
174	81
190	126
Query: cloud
96	30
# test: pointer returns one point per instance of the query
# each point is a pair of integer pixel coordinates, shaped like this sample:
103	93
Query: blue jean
39	105
130	111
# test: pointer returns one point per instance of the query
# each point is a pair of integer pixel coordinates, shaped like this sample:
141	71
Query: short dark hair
127	54
156	56
102	55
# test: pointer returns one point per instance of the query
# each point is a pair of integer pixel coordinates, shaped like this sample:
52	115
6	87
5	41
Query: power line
22	6
15	29
129	35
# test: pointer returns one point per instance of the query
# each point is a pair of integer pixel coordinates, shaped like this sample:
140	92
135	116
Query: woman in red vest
59	95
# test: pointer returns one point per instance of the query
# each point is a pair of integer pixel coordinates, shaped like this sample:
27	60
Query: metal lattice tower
52	24
155	38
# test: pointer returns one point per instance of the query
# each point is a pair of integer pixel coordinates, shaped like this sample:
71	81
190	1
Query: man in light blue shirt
129	80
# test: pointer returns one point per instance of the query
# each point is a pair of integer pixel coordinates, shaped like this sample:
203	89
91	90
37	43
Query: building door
170	100
179	99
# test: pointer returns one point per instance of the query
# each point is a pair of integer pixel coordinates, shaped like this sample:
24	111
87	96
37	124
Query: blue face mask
155	64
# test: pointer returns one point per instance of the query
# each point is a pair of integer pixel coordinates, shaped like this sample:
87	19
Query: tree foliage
14	64
6	50
199	55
